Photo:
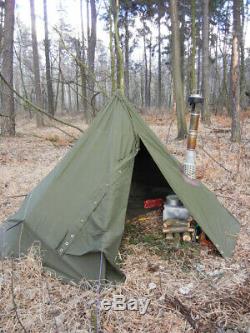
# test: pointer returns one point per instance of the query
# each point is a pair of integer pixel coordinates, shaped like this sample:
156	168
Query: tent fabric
78	211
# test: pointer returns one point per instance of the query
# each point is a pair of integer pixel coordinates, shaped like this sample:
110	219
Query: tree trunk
146	69
76	84
69	97
182	46
193	87
36	66
176	66
243	100
76	88
111	51
126	42
119	60
235	74
225	95
58	76
83	65
2	13
91	54
149	72
159	95
20	62
51	109
199	69
205	63
142	87
8	105
63	106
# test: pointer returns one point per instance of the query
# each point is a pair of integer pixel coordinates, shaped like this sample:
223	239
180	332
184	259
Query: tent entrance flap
147	183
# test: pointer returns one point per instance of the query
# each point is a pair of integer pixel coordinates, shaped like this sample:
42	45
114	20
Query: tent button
66	243
61	250
72	236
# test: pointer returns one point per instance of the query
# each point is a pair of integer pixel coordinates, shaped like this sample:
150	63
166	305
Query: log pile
178	230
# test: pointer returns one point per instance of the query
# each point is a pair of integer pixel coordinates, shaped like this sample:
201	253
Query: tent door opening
147	183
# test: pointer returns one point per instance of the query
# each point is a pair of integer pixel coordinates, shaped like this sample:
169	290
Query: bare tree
111	51
176	67
119	56
8	105
51	109
235	73
2	12
83	64
193	50
205	62
126	49
243	100
91	51
159	96
36	66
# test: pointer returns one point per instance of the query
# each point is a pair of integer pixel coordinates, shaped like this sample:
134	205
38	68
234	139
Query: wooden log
175	222
176	225
169	236
177	230
186	237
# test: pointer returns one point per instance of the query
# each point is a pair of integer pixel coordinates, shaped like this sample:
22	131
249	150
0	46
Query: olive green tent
77	212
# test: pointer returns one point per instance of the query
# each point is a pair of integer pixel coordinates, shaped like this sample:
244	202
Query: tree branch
36	108
212	158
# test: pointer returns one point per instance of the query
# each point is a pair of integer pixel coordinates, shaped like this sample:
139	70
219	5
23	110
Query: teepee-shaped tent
77	212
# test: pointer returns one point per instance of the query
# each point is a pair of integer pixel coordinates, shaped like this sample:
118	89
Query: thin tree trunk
145	67
149	72
224	84
182	46
119	62
111	51
176	65
69	96
20	60
225	95
142	88
51	109
2	13
205	62
88	29
193	87
59	76
199	69
36	66
62	97
243	100
159	95
76	89
8	105
235	74
126	42
91	54
83	65
216	77
78	55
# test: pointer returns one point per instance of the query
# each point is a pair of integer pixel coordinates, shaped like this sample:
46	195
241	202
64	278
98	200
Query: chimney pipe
189	164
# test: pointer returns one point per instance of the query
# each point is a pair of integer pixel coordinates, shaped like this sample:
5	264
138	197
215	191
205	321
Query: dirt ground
191	289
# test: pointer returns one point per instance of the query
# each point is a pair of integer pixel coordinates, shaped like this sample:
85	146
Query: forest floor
190	288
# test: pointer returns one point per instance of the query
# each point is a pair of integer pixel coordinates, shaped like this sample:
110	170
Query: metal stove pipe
189	164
